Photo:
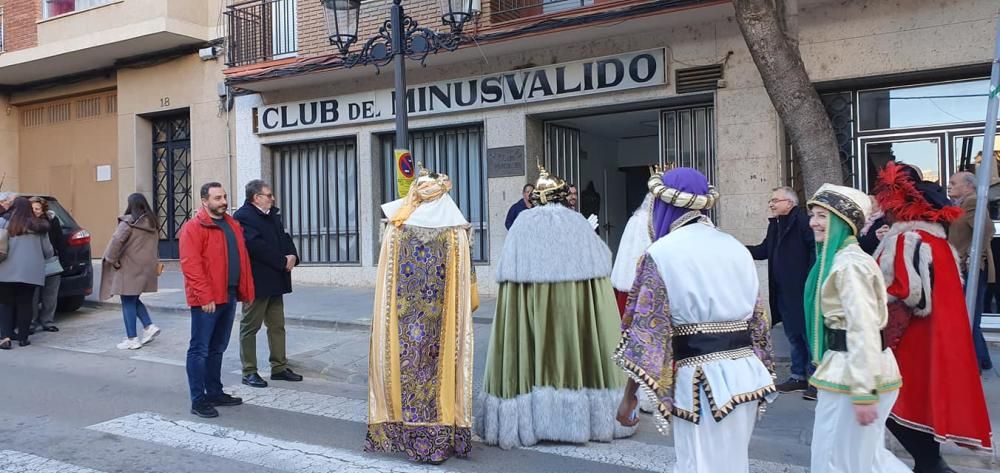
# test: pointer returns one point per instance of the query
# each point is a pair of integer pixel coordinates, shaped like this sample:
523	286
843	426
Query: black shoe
204	409
225	400
810	393
24	343
793	385
287	375
50	328
254	381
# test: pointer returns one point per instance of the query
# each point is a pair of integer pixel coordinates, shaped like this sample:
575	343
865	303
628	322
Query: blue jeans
802	367
209	340
982	350
132	307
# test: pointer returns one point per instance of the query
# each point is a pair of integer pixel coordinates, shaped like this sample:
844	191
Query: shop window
316	186
924	105
51	8
459	153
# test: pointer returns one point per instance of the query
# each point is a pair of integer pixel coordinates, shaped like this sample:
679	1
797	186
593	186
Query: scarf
838	236
423	190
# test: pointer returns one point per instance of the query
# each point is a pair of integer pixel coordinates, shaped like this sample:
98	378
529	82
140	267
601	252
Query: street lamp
397	39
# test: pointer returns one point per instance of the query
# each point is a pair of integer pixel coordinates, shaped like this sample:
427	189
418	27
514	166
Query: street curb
300	320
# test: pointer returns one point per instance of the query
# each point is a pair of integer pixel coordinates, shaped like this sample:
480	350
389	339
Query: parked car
78	276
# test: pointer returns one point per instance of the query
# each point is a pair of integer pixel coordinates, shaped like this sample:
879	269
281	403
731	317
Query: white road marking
161	360
333	407
89	351
249	447
627	453
19	462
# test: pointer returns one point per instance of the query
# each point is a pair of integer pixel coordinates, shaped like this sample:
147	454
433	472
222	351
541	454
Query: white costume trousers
841	445
715	447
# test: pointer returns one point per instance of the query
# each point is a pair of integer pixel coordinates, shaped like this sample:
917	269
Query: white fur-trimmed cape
917	259
552	243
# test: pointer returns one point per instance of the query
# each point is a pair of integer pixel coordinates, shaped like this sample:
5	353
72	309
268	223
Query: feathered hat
902	195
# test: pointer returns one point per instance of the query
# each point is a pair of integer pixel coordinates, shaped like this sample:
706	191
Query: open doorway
607	156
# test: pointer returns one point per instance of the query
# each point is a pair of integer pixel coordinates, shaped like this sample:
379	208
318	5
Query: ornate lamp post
399	38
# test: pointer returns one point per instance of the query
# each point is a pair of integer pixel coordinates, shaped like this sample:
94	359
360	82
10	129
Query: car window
64	216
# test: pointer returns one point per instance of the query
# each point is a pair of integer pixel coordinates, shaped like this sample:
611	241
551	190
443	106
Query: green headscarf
838	236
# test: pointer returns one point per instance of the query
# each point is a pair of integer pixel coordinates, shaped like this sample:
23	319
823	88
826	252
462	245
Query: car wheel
69	304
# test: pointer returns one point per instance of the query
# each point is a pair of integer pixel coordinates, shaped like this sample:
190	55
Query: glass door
925	151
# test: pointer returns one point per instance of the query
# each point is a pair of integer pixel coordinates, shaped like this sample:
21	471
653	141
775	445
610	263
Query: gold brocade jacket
853	299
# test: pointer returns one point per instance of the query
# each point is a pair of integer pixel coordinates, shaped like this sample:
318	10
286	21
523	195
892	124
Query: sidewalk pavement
335	307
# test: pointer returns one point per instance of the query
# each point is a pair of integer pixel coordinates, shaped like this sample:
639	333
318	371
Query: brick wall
314	39
20	29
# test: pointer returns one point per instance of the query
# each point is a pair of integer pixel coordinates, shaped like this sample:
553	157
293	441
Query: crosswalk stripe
333	407
12	461
249	447
627	453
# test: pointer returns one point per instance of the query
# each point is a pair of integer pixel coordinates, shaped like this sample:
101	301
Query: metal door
171	178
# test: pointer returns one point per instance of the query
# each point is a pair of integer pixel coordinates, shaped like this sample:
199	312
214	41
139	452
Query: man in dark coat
272	257
790	250
519	206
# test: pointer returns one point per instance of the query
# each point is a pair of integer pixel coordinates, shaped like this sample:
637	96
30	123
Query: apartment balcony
261	30
74	36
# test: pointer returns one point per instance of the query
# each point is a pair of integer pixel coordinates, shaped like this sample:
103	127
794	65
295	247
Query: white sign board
104	173
572	79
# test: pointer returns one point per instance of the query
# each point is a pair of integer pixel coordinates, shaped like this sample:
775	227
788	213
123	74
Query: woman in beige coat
130	268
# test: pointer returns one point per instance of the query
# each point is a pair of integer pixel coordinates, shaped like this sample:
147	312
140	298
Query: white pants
841	445
715	447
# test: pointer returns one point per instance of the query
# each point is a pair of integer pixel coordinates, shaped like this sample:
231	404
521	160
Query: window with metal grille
316	186
459	153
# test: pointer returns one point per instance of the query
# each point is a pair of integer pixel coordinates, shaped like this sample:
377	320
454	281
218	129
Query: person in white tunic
695	336
857	378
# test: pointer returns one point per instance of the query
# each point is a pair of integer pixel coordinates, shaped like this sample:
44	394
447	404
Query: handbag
4	244
53	266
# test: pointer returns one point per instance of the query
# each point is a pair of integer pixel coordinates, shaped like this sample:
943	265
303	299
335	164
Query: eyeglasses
269	196
775	201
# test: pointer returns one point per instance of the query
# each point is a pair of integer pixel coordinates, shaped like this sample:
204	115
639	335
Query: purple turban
683	179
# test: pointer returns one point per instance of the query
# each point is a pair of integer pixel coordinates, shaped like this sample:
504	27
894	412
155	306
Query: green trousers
271	312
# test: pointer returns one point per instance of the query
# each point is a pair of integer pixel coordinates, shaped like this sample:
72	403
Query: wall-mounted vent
90	107
698	79
59	112
33	117
112	104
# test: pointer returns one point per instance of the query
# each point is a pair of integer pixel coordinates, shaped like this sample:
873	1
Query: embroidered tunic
420	358
854	300
677	290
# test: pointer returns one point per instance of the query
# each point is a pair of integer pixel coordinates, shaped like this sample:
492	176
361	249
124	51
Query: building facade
596	91
103	98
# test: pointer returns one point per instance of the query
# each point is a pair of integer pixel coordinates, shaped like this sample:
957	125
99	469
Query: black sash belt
687	346
836	339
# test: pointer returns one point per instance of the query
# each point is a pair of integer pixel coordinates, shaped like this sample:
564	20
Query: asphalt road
72	403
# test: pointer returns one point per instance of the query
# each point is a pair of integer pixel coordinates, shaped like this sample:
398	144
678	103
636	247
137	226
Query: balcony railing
507	10
51	8
261	30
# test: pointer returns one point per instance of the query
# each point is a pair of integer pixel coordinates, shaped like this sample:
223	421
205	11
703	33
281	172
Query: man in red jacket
216	270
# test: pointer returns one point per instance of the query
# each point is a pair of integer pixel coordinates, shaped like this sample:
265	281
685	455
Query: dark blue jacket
514	211
790	251
267	243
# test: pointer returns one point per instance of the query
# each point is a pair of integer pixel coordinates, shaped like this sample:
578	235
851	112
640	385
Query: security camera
209	53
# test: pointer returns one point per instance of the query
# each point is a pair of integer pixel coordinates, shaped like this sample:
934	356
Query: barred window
459	153
316	186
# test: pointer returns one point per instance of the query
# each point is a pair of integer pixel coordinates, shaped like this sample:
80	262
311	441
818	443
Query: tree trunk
796	101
